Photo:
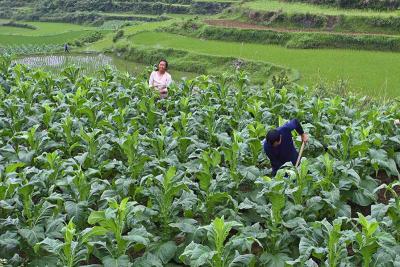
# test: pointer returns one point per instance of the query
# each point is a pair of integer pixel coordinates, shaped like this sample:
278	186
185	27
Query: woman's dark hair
272	137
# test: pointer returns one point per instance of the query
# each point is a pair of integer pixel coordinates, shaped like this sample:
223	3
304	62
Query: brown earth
256	249
383	194
355	208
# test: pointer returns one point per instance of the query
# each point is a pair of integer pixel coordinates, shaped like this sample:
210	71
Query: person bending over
160	79
279	146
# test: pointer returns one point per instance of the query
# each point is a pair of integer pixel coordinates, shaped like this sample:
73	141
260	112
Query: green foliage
330	7
90	38
203	64
221	251
118	35
101	170
18	25
375	4
295	39
321	68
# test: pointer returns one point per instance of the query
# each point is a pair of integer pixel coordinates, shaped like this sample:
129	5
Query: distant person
66	48
397	122
160	79
279	146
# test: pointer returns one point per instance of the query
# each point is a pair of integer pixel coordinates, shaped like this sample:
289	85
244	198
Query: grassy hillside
366	72
294	7
295	15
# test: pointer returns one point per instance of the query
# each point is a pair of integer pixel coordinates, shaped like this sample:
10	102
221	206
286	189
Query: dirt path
244	25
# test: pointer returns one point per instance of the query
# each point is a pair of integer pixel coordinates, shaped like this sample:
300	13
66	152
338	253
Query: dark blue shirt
285	152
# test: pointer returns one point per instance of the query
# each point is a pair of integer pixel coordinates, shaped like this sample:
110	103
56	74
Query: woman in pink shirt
161	79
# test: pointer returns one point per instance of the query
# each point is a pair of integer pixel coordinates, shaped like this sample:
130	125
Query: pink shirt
160	81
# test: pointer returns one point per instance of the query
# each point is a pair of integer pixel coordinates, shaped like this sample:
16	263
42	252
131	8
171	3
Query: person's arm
169	80
151	80
295	125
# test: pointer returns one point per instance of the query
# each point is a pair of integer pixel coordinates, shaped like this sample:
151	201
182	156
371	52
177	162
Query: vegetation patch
383	5
291	39
26	49
360	71
102	171
310	20
298	7
18	25
260	72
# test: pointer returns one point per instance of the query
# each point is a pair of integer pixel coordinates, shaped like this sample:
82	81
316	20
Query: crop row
101	171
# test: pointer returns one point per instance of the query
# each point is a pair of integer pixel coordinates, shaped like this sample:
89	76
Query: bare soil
383	194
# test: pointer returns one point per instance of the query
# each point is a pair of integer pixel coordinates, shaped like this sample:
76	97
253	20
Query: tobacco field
98	171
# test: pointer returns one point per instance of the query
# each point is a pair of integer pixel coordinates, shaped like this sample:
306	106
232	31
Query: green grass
107	42
128	14
218	1
189	16
271	5
90	63
138	68
45	33
367	72
44	28
47	39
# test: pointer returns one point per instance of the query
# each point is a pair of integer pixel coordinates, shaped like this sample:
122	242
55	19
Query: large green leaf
46	261
32	236
166	251
274	260
50	245
197	255
122	261
78	211
138	236
96	217
13	167
363	197
186	225
9	241
94	231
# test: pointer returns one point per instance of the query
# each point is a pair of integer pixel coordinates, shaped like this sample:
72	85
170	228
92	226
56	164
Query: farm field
44	28
365	71
98	169
296	7
128	31
45	39
245	25
89	64
306	16
100	172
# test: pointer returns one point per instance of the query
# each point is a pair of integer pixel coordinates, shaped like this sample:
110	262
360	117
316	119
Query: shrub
118	35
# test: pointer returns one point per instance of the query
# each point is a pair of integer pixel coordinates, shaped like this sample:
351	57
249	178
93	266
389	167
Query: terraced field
293	7
245	25
365	71
45	36
96	169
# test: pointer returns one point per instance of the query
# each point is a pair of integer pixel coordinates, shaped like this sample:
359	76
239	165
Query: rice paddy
367	72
